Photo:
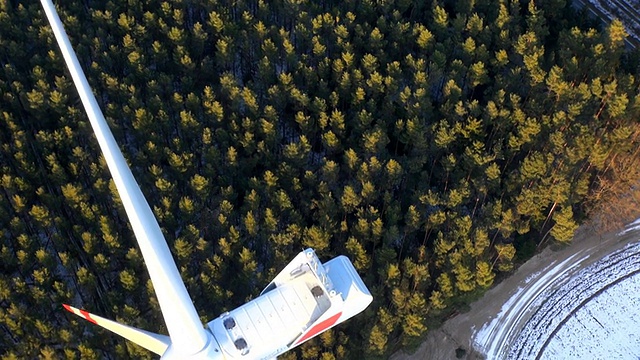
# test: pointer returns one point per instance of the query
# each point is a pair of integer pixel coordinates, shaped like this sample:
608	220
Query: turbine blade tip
82	313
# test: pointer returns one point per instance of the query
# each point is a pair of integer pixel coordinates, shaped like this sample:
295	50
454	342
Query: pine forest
437	144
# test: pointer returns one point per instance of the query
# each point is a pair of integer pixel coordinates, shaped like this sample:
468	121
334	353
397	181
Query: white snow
625	10
605	328
631	227
491	336
558	304
565	312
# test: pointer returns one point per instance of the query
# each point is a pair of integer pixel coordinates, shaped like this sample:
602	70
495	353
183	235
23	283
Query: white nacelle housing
303	300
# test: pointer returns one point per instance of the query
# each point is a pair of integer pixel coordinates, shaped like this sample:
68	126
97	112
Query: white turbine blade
148	340
187	333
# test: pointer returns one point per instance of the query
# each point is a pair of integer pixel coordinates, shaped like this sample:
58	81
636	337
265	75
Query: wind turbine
303	300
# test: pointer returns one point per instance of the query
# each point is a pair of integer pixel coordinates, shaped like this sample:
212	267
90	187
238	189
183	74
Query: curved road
556	309
526	315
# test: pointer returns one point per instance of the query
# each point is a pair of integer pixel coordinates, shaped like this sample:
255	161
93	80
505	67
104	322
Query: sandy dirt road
490	314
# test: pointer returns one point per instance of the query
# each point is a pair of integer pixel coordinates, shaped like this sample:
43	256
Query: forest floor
487	318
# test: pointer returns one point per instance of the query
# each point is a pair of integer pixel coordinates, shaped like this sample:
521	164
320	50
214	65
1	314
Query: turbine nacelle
305	299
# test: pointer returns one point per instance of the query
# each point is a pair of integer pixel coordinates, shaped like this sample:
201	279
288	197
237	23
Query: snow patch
605	328
565	311
630	227
491	336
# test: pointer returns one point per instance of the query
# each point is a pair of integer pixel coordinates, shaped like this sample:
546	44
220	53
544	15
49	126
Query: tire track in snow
557	305
508	333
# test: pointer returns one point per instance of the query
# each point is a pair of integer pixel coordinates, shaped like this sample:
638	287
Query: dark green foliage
525	247
435	145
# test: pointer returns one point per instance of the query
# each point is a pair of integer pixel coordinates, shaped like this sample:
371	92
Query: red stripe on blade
87	316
